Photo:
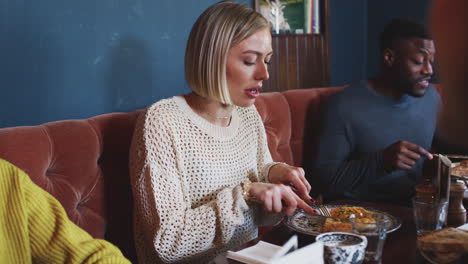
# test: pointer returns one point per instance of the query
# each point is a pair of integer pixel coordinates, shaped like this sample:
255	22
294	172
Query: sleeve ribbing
53	237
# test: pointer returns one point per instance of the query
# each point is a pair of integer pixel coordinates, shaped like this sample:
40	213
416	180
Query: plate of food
446	245
305	223
460	169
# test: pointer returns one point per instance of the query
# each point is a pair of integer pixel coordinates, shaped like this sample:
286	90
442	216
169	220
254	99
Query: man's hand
291	176
402	155
278	198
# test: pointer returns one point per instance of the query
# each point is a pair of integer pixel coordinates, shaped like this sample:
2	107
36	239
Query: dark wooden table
400	245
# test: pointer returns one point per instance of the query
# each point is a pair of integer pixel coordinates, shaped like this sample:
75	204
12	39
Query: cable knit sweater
34	227
186	176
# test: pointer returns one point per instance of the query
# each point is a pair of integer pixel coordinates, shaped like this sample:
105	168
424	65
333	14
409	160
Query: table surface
400	245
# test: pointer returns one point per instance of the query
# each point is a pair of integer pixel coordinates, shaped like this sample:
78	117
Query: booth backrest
84	163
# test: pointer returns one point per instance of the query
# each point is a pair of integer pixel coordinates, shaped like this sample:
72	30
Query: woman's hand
293	176
278	198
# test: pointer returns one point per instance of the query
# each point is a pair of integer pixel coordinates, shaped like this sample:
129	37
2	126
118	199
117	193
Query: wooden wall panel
299	61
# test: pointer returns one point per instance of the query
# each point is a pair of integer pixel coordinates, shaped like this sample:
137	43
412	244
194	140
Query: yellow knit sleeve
53	237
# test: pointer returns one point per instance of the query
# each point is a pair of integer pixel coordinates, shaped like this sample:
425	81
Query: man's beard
415	92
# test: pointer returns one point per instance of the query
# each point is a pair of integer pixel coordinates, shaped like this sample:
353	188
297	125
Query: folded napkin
463	227
311	254
266	253
260	253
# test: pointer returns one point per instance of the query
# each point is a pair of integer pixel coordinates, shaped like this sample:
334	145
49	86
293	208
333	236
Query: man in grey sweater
377	133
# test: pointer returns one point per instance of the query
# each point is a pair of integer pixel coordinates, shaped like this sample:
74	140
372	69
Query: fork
323	210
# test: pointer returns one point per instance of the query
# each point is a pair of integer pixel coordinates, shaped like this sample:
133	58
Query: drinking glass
376	232
429	215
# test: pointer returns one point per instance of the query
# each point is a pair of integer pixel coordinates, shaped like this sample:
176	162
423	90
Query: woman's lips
253	92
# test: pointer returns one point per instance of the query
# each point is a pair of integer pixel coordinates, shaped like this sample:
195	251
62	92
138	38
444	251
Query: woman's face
247	67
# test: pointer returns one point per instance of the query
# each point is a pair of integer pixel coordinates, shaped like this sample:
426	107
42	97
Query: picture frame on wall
291	16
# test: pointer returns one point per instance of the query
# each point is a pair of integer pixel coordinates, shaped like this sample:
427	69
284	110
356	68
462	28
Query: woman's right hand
278	198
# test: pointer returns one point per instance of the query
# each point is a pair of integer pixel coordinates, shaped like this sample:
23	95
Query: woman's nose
262	72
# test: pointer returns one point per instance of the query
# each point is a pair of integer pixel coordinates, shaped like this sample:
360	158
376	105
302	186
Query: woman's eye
249	63
267	62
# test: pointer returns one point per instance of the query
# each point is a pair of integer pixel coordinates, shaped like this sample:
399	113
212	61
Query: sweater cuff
266	171
239	197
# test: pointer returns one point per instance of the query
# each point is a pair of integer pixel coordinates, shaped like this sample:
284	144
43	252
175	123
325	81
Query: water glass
375	232
429	215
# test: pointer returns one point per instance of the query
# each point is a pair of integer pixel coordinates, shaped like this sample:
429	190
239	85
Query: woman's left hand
291	176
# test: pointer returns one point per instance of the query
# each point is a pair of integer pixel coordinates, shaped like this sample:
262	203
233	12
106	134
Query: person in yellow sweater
34	227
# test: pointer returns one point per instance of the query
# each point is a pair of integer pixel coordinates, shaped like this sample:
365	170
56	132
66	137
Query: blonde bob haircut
220	27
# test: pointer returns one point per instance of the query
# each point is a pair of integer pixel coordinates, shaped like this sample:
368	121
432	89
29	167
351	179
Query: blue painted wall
355	26
382	12
348	41
66	59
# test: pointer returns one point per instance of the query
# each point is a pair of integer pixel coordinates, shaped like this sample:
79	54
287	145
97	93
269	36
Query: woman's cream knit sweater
186	176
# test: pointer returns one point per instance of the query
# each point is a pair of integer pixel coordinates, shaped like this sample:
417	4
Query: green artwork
290	16
294	15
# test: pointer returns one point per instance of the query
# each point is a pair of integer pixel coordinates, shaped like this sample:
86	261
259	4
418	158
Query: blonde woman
202	175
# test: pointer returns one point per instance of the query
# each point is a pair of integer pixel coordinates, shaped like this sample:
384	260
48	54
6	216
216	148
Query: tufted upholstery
276	116
84	163
304	108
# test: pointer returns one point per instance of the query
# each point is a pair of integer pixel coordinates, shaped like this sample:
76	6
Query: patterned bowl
343	248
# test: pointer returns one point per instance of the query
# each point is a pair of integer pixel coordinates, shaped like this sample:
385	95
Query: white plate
311	225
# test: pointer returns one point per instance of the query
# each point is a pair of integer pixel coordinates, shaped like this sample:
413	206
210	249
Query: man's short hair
401	29
219	28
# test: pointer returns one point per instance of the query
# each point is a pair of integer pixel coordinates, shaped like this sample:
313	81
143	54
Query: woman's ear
388	57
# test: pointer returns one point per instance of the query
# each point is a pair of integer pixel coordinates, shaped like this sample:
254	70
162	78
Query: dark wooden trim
326	26
301	60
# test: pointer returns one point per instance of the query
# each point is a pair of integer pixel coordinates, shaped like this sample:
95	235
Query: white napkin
260	253
463	227
266	253
311	254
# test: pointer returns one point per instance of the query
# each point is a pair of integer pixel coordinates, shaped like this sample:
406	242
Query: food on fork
444	245
339	221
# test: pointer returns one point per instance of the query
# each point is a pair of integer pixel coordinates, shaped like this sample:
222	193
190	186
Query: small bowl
343	248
